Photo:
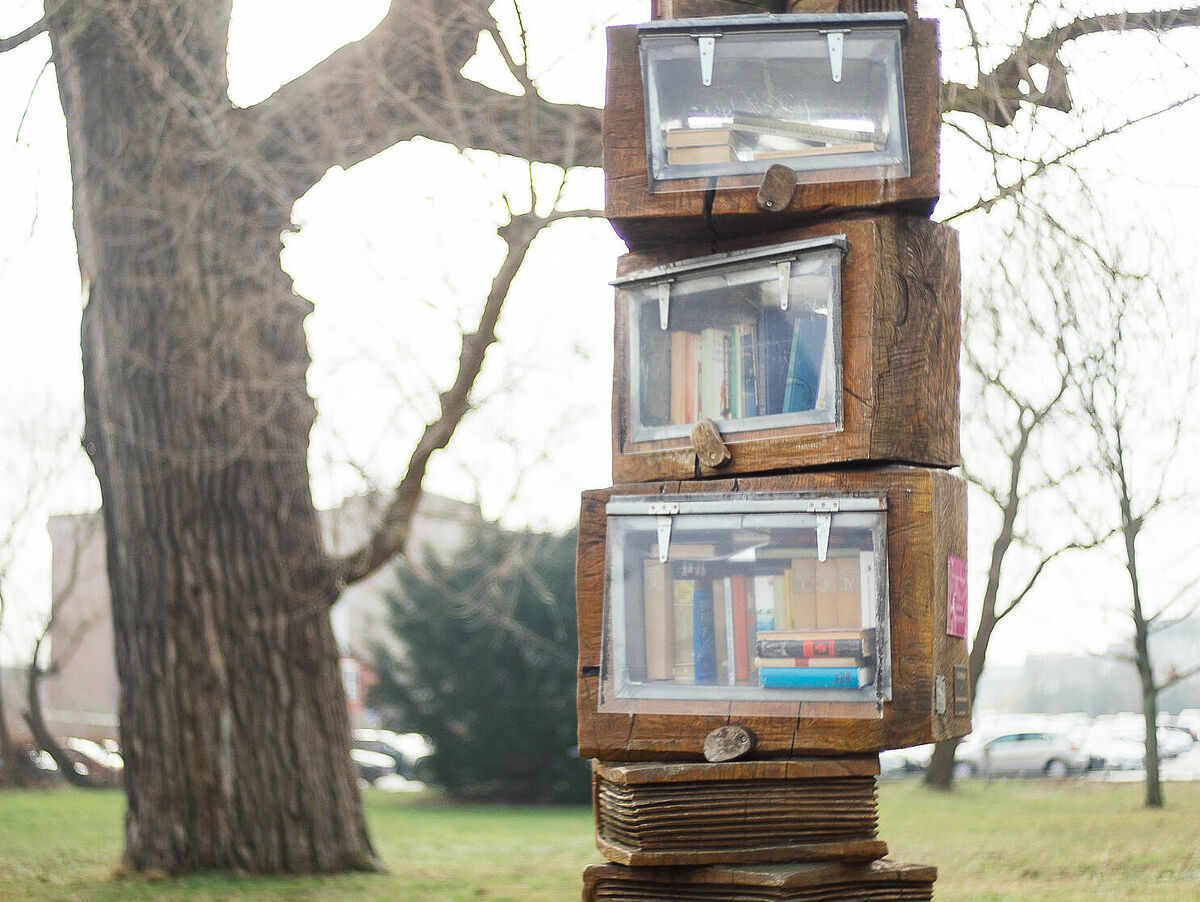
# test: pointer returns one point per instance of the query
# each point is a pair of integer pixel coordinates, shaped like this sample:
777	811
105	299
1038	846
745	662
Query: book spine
704	636
803	595
811	662
814	677
814	648
868	595
683	667
848	597
660	622
739	622
764	603
721	629
826	594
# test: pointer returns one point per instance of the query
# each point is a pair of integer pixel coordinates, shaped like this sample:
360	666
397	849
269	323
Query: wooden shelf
900	336
647	220
926	526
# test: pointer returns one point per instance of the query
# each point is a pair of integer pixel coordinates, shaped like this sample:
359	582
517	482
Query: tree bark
234	724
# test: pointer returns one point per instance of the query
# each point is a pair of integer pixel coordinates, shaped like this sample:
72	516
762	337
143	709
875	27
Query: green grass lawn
1005	840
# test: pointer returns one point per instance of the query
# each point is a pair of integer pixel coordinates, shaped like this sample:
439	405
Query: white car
1026	752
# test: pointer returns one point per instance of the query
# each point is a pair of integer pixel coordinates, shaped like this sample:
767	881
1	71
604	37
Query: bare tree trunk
15	770
1130	526
233	721
41	733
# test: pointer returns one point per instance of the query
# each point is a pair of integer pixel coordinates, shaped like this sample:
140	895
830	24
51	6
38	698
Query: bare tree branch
41	25
364	98
391	537
999	93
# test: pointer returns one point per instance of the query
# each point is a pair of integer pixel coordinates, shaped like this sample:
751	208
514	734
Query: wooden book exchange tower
774	590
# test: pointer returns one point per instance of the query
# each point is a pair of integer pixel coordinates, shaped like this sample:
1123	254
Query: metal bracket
836	41
664	539
664	511
785	282
824	511
708	49
664	302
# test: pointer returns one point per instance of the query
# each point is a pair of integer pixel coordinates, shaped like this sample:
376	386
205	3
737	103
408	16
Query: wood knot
709	446
775	193
728	743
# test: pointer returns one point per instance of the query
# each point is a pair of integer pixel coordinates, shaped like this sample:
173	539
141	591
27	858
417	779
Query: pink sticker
956	601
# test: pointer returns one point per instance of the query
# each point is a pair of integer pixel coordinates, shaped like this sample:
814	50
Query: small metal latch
708	49
836	41
785	281
825	511
664	302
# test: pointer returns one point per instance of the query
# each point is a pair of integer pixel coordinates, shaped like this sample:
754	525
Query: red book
741	649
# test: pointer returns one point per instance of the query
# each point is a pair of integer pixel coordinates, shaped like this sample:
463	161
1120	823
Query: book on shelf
774	336
741	622
847	661
805	362
683	657
697	137
804	131
683	377
698	155
815	677
659	615
803	599
814	150
825	595
815	643
764	601
704	633
747	378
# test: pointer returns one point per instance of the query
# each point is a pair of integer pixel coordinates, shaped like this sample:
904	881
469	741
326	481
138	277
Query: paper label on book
956	602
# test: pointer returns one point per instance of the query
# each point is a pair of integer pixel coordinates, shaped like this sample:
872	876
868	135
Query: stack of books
816	659
771	365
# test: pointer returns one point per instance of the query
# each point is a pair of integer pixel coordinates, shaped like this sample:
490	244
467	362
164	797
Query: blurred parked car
405	749
91	759
372	765
1052	754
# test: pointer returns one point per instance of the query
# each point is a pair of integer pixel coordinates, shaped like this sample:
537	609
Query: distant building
81	699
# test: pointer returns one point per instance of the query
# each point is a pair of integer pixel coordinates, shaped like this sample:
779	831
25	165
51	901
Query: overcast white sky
393	263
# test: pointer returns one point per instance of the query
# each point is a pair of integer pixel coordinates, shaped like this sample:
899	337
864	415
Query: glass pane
773	98
732	353
745	609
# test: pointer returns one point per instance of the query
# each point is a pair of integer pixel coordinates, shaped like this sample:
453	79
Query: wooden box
879	881
902	692
889	384
707	211
737	812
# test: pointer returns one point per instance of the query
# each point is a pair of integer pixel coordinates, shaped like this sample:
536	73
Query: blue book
804	364
772	336
815	677
749	402
704	632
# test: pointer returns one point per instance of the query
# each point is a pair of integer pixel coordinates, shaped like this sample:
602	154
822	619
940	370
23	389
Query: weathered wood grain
926	522
879	881
900	348
646	220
